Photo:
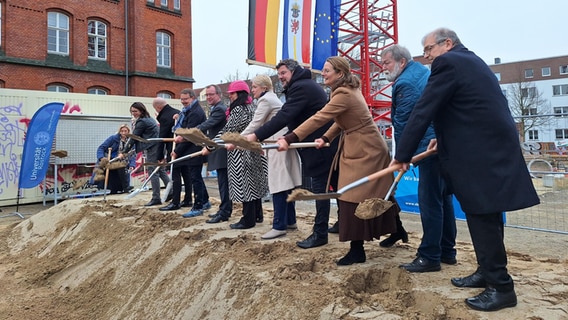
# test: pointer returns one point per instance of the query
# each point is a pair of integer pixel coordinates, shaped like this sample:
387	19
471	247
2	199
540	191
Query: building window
165	95
529	73
528	92
498	76
561	111
561	133
177	4
97	33
164	3
57	88
564	69
546	71
560	90
57	33
163	48
533	134
97	90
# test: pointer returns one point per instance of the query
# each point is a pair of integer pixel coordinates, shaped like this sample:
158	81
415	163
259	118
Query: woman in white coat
284	173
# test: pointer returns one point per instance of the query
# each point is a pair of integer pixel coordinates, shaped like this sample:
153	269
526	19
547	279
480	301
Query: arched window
97	33
163	49
165	94
58	87
57	33
97	90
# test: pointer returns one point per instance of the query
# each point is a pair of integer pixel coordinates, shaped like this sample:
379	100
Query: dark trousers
250	210
284	212
321	222
152	156
436	213
199	189
487	233
226	206
180	171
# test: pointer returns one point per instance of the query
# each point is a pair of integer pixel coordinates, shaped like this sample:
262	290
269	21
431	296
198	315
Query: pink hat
238	85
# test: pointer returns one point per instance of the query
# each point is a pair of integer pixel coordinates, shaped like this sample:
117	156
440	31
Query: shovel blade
301	194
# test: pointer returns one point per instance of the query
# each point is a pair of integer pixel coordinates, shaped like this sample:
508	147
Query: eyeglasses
428	48
210	94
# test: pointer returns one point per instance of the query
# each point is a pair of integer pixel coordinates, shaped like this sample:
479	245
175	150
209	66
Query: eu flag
326	19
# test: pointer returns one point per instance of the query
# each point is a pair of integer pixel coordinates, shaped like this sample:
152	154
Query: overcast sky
512	30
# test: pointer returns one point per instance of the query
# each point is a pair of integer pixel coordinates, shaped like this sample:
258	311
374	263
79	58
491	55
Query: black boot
400	234
334	228
356	254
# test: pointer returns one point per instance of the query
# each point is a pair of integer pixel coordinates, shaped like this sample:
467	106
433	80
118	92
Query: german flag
263	31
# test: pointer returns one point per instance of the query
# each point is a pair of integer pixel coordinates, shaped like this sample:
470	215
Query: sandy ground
91	259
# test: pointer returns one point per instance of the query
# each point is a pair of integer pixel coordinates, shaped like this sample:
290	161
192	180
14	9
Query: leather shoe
187	204
393	238
153	203
170	207
217	218
492	300
334	228
352	257
474	280
239	225
449	260
312	241
421	264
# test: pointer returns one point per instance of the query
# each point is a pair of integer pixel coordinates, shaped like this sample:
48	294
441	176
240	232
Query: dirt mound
90	259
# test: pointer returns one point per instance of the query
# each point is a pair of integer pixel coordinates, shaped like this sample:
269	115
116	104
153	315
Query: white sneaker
273	233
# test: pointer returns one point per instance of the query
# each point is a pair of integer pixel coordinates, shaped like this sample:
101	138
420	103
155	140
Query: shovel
137	191
302	194
138	138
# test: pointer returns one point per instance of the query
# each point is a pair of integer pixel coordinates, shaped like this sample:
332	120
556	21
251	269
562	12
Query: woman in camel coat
362	151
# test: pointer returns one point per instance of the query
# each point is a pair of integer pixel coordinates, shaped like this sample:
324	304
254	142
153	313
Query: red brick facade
26	64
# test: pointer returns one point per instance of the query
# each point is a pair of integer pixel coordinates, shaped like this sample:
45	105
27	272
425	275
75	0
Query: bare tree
528	107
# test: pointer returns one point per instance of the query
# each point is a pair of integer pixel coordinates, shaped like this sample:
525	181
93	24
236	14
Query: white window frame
57	88
163	50
58	33
561	134
546	74
561	111
97	91
529	92
165	95
164	3
560	90
563	69
177	4
99	40
532	135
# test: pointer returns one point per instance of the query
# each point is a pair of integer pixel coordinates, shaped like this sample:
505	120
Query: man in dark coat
480	156
217	160
166	120
304	97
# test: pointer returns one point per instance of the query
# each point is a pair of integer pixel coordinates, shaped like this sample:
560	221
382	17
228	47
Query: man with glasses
480	157
435	203
304	97
217	160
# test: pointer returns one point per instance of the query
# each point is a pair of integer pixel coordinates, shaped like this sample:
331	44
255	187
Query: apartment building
116	47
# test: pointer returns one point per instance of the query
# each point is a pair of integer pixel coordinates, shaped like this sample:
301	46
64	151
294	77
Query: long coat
478	143
284	171
167	122
247	170
194	116
211	127
363	150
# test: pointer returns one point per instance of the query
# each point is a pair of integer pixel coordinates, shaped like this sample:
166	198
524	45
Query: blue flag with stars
326	18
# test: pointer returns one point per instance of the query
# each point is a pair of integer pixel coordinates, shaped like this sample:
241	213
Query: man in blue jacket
435	202
304	97
480	157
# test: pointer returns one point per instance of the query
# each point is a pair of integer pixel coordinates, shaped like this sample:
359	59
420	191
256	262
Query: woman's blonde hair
124	126
263	81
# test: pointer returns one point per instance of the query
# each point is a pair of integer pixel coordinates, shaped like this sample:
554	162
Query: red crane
366	27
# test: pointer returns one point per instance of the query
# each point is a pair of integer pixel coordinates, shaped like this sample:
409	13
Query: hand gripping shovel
158	166
302	194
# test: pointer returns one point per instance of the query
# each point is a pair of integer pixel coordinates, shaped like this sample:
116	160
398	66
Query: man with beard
304	97
435	202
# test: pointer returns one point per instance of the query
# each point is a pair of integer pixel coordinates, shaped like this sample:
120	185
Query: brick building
119	47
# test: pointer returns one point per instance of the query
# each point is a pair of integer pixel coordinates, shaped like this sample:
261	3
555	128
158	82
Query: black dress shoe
334	228
153	203
474	280
421	264
217	218
351	258
170	207
239	225
187	204
393	238
449	260
312	241
492	300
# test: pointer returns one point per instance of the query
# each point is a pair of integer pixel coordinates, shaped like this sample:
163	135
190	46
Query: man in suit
480	157
217	160
304	97
190	116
